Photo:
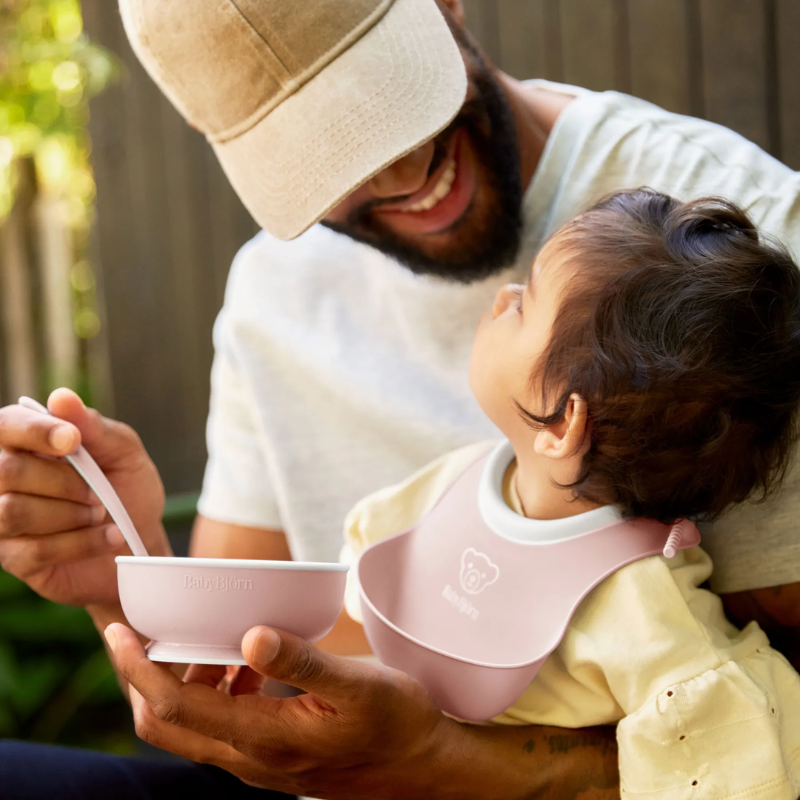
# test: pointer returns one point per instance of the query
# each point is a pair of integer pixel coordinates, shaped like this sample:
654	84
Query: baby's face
512	336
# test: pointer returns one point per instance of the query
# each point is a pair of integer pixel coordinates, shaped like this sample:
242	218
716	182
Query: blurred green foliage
56	683
48	70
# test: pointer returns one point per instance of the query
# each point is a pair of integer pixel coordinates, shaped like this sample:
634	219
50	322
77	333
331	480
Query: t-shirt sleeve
236	485
396	508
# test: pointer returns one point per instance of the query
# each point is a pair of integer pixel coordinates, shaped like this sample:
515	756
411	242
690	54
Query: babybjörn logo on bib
477	571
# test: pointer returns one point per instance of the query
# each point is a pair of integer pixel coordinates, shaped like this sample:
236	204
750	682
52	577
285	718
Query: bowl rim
234	563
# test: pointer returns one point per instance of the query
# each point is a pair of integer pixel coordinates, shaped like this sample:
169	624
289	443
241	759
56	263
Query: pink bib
472	615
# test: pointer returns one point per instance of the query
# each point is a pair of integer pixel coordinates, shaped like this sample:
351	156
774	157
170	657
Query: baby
650	368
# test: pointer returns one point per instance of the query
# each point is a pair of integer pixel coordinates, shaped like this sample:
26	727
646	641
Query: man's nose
505	296
404	176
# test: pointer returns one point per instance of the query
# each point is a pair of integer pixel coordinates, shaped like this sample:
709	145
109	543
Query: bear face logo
477	571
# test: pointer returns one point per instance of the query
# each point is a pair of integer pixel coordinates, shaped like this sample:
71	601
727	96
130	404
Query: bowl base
194	654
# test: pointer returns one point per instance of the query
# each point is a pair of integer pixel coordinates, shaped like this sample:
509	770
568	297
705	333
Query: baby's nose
505	296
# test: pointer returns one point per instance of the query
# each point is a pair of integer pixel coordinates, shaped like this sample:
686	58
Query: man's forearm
523	763
776	610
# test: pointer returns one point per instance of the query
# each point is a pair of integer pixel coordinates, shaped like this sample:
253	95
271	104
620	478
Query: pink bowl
197	610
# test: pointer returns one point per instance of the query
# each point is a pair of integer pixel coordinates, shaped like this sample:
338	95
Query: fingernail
114	537
98	514
62	437
267	646
111	638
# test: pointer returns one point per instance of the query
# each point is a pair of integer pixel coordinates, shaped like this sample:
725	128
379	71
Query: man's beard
479	248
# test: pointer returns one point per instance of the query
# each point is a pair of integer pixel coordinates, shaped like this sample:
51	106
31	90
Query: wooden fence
168	224
38	343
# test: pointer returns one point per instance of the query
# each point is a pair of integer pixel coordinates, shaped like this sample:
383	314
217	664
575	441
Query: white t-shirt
337	371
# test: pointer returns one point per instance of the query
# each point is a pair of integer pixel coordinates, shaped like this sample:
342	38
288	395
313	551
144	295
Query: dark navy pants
42	772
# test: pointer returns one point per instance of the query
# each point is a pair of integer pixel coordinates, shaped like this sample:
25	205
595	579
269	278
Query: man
341	366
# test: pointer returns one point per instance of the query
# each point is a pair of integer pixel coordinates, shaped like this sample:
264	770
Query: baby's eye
518	302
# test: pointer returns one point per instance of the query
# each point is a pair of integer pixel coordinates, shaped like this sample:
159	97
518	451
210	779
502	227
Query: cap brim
398	86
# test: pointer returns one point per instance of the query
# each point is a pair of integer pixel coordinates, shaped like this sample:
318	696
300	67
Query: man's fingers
186	743
24	556
109	441
25	514
204	750
246	681
192	706
205	674
25	473
290	659
23	429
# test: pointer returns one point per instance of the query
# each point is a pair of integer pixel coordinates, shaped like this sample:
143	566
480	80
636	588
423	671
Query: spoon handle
87	468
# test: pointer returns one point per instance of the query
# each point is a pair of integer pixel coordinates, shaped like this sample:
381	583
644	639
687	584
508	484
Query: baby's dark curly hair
680	327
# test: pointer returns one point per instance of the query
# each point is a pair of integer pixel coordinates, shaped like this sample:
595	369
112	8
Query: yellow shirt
703	710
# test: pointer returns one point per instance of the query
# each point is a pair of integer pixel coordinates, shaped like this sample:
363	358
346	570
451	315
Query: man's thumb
66	405
291	660
105	439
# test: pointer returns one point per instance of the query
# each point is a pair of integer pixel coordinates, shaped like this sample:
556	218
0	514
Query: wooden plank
594	44
190	243
55	262
787	32
554	51
112	242
523	37
483	23
16	291
659	53
735	66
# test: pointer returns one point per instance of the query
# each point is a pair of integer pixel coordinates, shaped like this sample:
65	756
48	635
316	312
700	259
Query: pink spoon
87	468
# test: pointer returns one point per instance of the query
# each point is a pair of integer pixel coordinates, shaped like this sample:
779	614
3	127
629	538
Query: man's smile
443	199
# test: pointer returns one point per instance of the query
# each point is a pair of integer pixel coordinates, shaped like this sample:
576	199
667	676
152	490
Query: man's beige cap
302	100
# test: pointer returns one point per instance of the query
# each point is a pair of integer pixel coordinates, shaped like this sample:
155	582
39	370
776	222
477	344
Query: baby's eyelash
518	293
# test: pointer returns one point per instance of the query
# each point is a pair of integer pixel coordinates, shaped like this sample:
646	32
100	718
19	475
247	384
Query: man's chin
469	251
458	263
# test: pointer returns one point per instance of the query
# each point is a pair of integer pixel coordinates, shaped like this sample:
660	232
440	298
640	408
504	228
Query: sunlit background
117	229
48	71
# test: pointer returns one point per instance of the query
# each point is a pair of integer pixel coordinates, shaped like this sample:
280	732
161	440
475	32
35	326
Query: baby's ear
566	437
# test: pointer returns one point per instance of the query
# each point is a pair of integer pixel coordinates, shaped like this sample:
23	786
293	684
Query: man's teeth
439	192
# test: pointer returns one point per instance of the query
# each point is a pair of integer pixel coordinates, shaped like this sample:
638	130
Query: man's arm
776	610
361	731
